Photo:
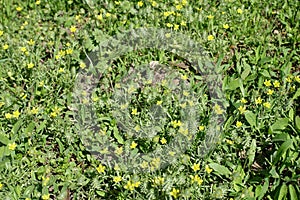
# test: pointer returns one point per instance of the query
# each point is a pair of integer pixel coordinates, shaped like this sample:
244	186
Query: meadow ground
200	101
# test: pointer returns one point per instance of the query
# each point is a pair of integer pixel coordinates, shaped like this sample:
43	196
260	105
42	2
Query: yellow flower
61	70
210	37
184	2
176	27
276	84
82	65
297	78
154	4
8	115
267	105
267	83
16	114
270	92
159	103
163	140
2	104
101	168
243	100
158	181
201	128
1	185
218	109
239	124
144	164
117	179
134	111
117	2
45	180
171	153
69	51
240	11
288	79
208	169
183	23
168	35
229	142
242	109
140	4
1	33
73	29
23	49
38	2
175	193
176	123
119	150
196	167
5	46
178	7
133	145
12	146
169	25
100	17
185	93
226	26
137	128
196	179
30	65
46	197
210	16
31	42
19	8
117	168
258	100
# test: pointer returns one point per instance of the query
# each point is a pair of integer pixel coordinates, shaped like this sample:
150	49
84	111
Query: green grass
49	149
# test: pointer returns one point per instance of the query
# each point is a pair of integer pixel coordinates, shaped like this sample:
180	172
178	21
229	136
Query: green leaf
282	192
28	191
260	191
246	72
30	128
222	170
118	136
251	118
297	122
282	149
280	124
100	193
4	140
251	152
297	94
17	126
233	84
293	193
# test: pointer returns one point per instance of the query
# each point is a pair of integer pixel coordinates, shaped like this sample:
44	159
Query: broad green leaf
17	126
297	94
293	193
100	193
297	122
220	169
282	149
251	118
280	124
251	152
291	114
233	84
30	128
28	191
3	139
246	72
118	136
282	192
262	190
